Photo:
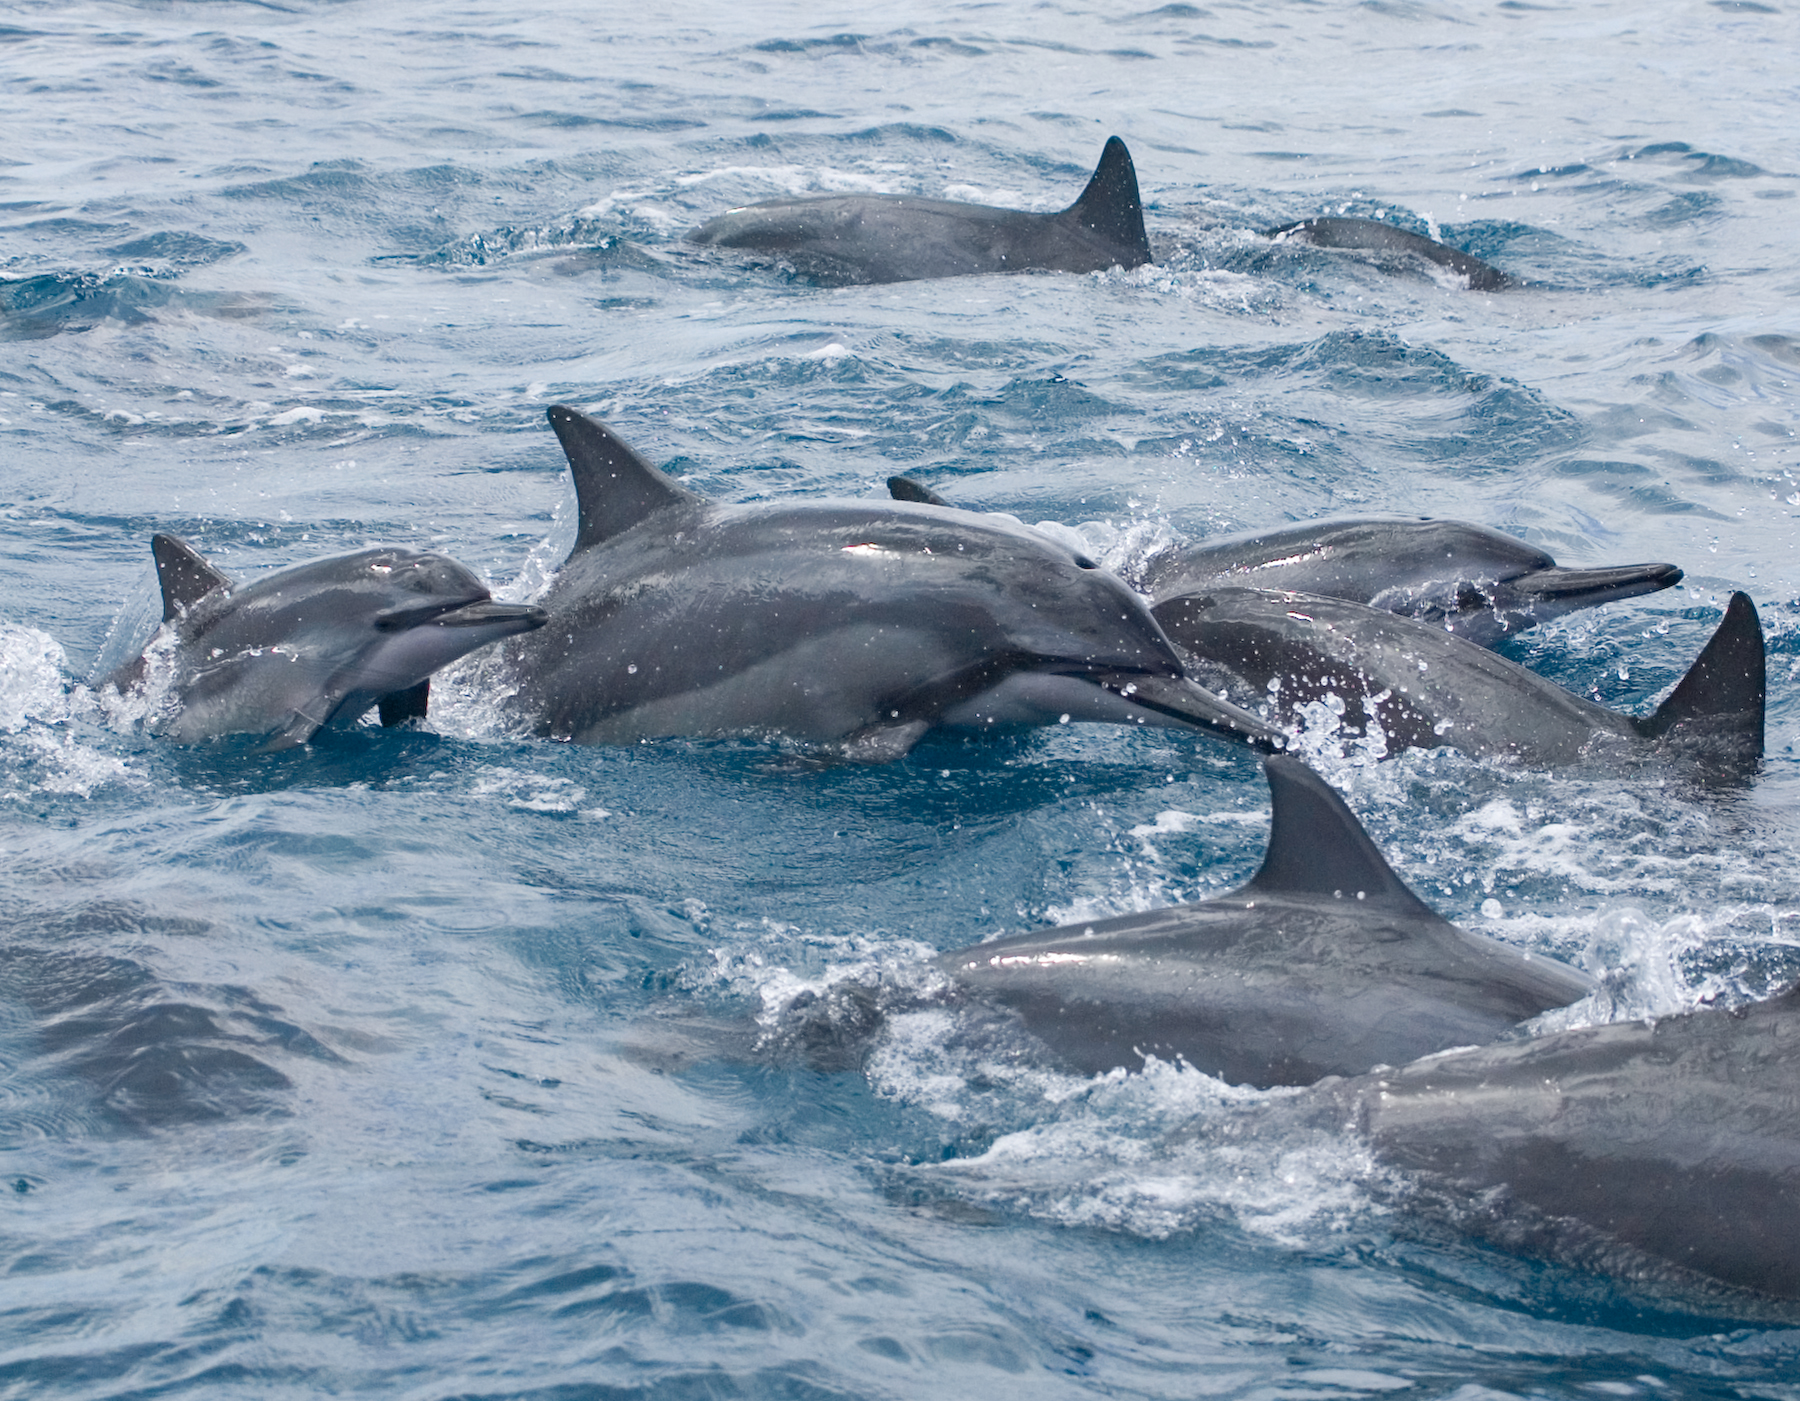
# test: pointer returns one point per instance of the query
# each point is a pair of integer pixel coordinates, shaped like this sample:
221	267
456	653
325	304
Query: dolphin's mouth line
470	612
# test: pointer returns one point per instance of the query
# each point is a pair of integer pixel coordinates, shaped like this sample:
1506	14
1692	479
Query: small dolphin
842	240
288	653
1475	582
1426	688
852	624
1324	964
1676	1139
1371	235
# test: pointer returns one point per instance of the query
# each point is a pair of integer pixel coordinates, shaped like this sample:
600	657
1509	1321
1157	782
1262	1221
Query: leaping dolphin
1427	688
1673	1141
1324	964
851	624
847	239
1473	581
286	654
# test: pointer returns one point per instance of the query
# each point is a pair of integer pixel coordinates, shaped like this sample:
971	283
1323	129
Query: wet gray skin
1677	1140
850	239
1426	687
288	653
1324	964
1475	582
851	625
1373	236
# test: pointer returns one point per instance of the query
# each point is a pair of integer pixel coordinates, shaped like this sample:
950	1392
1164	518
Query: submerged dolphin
1676	1140
1425	687
848	239
1473	581
1373	236
1324	964
852	624
288	653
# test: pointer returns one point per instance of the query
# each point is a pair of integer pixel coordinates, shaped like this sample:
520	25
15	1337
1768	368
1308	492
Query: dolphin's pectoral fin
614	487
299	729
1317	847
906	489
184	576
881	744
397	707
1111	208
1715	713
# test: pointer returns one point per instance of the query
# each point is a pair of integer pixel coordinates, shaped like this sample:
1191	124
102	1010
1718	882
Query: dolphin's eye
1083	562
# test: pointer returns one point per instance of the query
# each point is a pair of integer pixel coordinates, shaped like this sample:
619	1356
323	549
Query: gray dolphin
852	624
286	654
848	239
1373	236
1426	687
1675	1139
1324	964
1475	582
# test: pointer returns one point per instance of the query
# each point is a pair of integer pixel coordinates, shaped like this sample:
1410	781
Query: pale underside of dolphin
1324	964
1373	236
1478	583
1613	1147
855	626
288	653
1427	688
848	239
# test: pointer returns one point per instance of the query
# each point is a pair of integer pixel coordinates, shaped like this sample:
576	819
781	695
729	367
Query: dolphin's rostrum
855	625
286	654
1324	964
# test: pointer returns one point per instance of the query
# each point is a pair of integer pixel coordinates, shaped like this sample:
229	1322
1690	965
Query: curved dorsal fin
1717	708
1317	847
906	489
613	485
185	577
1110	206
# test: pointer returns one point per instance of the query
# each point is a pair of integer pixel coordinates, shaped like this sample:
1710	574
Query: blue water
446	1064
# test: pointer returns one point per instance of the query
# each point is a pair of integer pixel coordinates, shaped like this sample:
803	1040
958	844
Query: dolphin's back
1324	964
848	239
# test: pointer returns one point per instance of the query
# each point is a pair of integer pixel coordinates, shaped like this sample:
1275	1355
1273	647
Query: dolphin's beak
1579	587
481	612
1187	702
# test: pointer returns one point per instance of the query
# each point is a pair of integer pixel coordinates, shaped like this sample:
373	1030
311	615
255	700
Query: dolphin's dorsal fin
906	489
613	485
1719	703
1110	206
185	577
1317	847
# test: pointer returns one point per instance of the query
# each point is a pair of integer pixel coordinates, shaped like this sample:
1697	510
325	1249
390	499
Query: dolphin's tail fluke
1569	589
1110	207
1714	716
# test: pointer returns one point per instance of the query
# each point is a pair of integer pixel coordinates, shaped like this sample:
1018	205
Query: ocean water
443	1063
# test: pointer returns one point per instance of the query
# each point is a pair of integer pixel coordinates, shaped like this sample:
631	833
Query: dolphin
1425	687
1371	235
1673	1141
1324	964
853	625
286	654
841	240
1478	583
